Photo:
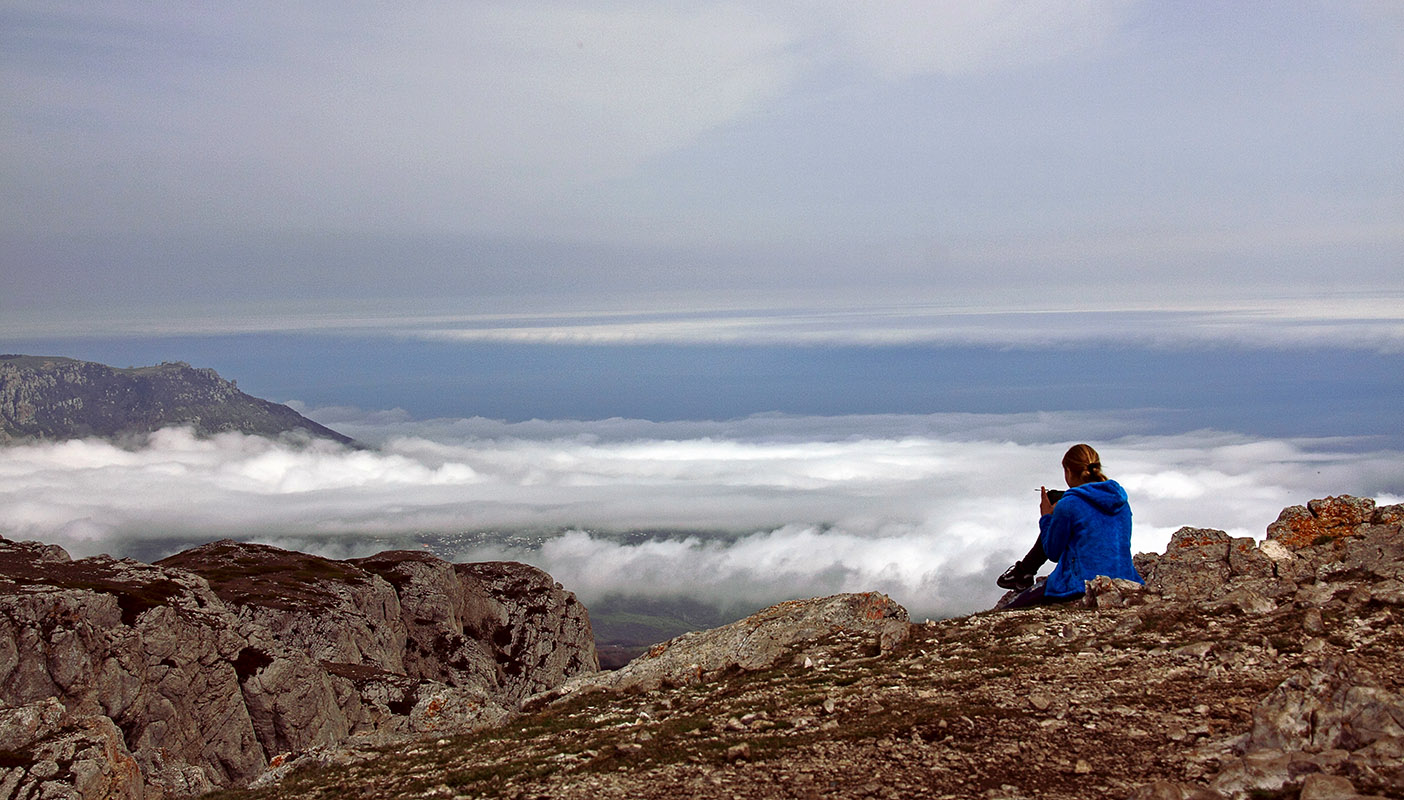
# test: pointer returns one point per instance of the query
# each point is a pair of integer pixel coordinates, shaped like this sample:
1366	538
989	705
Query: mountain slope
55	398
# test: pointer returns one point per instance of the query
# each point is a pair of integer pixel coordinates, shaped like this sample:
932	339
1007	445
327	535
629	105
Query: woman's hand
1045	506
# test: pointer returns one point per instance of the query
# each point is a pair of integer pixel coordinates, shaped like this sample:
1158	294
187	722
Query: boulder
1195	564
759	641
1105	592
1321	521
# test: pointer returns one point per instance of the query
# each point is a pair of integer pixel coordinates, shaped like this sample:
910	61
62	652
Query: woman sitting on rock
1087	531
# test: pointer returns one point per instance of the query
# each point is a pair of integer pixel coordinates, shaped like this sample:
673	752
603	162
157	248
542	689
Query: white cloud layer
927	509
1371	321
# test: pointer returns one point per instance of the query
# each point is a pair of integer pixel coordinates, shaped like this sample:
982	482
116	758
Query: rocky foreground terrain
131	680
1242	670
49	398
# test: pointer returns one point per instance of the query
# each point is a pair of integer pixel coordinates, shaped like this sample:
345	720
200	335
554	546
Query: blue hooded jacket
1088	534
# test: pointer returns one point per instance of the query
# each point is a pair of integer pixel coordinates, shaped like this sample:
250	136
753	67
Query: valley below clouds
927	508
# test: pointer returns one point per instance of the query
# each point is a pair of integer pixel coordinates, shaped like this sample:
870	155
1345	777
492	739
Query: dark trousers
1034	561
1033	596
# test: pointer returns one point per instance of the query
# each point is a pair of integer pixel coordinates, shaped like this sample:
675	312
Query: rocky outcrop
53	398
1326	547
504	627
551	639
47	752
1279	678
1333	563
216	661
757	642
1283	677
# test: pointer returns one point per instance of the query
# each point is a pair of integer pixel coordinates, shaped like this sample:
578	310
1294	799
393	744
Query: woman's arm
1054	531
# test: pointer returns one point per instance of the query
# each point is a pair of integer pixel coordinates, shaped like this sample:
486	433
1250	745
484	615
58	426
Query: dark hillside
55	398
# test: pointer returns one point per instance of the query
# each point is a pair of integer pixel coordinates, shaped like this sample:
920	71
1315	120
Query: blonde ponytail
1083	464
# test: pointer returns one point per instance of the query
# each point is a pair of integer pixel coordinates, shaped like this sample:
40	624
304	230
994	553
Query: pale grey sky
650	156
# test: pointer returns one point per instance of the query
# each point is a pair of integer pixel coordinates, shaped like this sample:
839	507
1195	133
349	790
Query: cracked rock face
550	640
152	650
65	755
218	660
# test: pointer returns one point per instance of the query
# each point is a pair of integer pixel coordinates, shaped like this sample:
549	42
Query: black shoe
1014	579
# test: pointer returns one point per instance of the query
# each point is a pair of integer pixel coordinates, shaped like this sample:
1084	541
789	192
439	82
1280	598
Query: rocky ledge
131	680
1240	670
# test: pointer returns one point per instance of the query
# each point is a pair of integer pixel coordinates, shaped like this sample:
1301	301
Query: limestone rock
505	628
549	639
208	676
759	641
329	610
447	624
153	650
52	753
1327	787
1389	515
1104	592
1245	600
1321	521
1336	706
1195	564
1173	790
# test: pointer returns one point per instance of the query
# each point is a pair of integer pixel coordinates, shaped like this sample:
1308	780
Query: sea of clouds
928	509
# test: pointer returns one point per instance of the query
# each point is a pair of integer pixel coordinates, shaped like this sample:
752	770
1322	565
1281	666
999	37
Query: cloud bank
1357	320
927	509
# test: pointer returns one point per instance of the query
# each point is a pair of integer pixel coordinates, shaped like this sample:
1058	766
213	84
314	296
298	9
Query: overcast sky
523	156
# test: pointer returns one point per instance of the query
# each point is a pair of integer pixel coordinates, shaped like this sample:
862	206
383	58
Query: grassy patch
247	574
137	590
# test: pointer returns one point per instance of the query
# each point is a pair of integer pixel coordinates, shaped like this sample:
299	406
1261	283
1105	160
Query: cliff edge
123	679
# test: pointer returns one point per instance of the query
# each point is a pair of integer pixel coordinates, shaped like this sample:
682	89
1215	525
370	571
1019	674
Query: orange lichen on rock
877	606
1321	521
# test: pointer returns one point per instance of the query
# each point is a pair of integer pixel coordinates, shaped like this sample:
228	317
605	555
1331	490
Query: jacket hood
1106	496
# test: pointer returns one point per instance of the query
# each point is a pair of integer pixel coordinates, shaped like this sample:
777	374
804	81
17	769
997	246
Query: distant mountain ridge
57	398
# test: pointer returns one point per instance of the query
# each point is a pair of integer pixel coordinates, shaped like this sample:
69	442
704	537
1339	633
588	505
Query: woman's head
1082	465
